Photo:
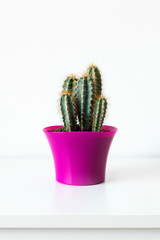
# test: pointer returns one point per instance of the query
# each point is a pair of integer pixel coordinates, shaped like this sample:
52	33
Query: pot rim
112	130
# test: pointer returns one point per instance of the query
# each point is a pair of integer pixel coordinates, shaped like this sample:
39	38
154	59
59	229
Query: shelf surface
31	198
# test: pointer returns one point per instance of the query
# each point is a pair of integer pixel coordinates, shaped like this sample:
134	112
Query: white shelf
31	198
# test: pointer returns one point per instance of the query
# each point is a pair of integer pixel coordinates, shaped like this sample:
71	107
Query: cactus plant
82	105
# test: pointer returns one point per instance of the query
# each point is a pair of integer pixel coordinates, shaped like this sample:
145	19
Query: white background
43	41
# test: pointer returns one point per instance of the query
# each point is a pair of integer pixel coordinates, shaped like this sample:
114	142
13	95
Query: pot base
89	184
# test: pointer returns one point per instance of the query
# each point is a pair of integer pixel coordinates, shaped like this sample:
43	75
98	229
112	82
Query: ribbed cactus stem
99	114
85	102
68	112
95	74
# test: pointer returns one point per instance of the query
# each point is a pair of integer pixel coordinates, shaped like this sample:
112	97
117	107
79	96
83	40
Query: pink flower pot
80	157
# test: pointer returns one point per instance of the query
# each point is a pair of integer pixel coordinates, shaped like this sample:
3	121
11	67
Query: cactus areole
80	147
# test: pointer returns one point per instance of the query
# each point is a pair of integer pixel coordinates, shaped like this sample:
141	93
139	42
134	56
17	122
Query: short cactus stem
68	112
85	102
69	84
95	74
99	114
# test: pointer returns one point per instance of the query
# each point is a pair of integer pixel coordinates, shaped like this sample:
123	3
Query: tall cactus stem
85	102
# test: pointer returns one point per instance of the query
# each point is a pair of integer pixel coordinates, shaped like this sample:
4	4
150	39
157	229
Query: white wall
42	41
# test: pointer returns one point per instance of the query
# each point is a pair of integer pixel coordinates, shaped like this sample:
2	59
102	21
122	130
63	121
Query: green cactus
95	74
85	102
99	114
68	112
82	105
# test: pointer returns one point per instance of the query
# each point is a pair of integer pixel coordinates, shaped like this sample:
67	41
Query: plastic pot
80	157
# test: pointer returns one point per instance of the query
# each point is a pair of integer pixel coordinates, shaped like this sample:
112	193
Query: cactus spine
99	114
68	112
95	74
85	99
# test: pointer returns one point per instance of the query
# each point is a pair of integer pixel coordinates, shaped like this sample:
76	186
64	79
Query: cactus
99	114
81	101
68	112
95	74
85	100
